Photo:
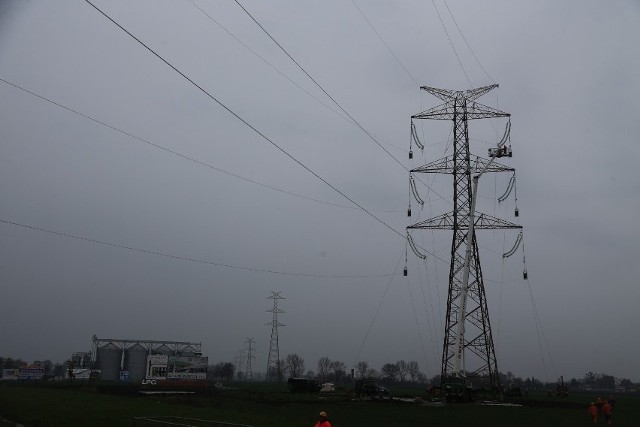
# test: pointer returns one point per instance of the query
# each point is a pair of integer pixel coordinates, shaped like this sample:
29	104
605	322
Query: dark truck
304	385
368	388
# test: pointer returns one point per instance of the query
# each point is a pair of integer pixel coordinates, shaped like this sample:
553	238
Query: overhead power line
185	258
264	60
177	153
453	47
385	44
466	42
249	125
369	134
273	67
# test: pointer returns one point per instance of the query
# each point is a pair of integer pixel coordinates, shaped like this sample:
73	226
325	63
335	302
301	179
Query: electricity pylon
248	372
274	370
468	350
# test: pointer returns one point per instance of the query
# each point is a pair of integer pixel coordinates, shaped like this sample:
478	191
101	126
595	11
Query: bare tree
361	369
338	371
223	370
590	378
324	367
414	370
403	370
390	371
295	365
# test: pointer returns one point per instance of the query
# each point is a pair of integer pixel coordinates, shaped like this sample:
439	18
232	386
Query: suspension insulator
410	154
406	272
409	212
516	212
525	275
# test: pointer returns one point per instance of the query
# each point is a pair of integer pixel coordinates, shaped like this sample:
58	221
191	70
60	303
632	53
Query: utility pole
248	373
274	370
468	350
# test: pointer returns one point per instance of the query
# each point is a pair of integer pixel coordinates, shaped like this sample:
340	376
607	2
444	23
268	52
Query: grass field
263	405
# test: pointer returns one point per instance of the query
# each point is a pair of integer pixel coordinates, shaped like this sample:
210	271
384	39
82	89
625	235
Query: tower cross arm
476	110
440	222
446	165
446	222
473	94
444	94
448	95
488	222
441	112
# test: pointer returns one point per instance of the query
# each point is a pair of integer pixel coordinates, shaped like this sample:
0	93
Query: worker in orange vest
593	411
606	411
323	420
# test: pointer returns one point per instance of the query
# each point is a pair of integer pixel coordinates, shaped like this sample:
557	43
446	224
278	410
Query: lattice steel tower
248	372
468	350
274	370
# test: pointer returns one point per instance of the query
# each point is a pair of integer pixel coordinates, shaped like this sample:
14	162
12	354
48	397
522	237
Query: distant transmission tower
468	350
248	373
274	370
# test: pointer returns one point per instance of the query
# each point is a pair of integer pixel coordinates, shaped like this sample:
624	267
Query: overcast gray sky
567	73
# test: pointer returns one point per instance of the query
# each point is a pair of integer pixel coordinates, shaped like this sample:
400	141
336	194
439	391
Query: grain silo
108	359
135	361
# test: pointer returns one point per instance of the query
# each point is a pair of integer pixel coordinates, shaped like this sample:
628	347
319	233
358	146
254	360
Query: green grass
264	405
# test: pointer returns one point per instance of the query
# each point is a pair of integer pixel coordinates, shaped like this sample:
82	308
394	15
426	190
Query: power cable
184	258
327	94
539	328
430	322
385	44
375	315
415	316
470	50
466	42
451	43
176	153
264	60
249	125
283	151
226	30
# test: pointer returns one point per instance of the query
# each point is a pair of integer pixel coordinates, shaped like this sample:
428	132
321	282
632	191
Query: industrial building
131	360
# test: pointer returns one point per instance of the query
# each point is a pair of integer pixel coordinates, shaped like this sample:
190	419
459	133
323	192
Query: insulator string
414	190
414	136
509	189
514	248
414	247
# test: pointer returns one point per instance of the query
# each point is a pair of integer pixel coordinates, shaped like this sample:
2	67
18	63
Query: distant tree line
335	371
591	381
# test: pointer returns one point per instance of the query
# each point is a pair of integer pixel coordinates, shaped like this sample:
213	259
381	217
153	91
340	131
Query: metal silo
108	359
135	361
